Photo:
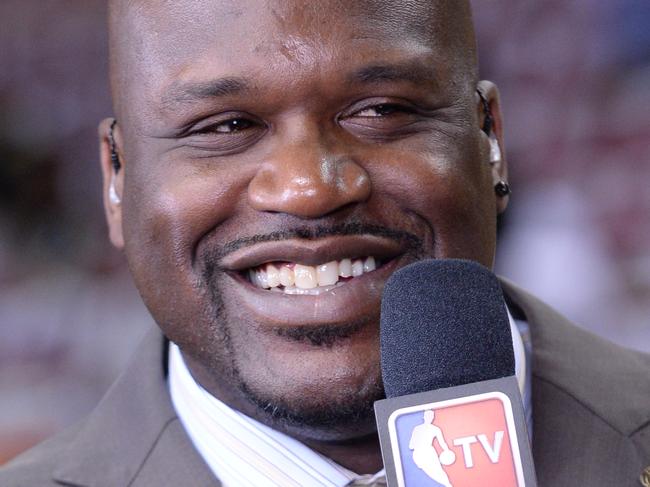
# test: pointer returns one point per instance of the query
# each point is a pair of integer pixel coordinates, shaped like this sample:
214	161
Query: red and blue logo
461	442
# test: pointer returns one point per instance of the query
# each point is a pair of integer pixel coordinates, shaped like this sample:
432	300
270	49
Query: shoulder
595	371
116	438
133	437
591	398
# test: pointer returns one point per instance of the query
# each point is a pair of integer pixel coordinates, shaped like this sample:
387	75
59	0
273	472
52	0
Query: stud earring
502	189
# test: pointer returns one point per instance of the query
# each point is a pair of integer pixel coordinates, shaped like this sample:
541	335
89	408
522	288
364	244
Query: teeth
305	276
286	276
263	279
259	278
328	274
357	268
272	276
345	268
368	266
309	292
306	279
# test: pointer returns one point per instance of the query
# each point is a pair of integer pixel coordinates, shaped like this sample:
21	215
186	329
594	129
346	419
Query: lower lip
357	298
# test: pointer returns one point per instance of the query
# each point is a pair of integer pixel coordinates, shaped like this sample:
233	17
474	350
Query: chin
331	410
314	381
313	390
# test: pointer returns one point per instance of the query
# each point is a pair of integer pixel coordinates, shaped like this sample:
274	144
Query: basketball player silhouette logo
425	454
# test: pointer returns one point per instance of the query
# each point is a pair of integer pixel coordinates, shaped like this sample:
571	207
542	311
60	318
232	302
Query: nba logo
461	442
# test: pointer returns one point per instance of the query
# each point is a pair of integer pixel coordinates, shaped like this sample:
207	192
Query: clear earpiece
495	151
112	194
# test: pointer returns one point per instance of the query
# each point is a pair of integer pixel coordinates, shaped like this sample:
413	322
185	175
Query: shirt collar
519	352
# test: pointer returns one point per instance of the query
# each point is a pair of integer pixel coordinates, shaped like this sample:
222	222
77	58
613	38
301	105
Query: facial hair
354	407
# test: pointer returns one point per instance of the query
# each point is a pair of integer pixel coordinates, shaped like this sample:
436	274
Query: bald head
146	33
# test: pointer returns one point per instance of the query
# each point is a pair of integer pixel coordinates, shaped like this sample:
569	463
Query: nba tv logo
460	442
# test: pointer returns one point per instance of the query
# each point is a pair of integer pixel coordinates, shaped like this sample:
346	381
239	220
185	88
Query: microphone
453	416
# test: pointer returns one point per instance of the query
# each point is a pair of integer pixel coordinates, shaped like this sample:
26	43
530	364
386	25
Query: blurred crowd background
575	85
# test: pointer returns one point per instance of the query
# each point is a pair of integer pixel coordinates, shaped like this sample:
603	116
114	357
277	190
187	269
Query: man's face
263	140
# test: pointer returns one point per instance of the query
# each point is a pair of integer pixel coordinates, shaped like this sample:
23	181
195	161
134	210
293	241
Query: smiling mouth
300	279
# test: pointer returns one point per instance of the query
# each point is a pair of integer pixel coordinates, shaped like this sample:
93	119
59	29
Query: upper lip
313	252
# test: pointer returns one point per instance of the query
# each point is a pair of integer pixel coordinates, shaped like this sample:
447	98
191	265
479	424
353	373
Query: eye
227	133
382	119
229	126
382	110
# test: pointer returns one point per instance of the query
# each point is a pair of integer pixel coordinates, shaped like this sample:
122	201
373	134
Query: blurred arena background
575	85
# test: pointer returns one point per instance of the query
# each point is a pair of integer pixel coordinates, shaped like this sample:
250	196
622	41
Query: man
272	163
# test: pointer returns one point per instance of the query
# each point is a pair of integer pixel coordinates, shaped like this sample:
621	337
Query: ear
113	181
496	147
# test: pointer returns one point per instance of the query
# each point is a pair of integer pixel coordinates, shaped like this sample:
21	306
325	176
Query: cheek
166	215
447	190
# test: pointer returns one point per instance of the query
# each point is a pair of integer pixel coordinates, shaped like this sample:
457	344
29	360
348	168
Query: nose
306	179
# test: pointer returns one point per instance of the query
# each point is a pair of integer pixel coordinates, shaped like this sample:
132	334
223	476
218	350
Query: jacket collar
134	432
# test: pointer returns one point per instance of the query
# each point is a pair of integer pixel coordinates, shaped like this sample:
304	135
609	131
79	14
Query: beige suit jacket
591	408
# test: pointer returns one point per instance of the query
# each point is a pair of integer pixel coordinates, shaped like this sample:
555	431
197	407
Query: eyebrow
411	71
192	92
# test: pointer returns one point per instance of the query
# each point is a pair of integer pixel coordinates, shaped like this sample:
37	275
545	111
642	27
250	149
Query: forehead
263	25
158	44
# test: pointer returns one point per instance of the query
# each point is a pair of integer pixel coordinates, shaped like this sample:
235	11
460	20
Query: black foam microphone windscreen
443	323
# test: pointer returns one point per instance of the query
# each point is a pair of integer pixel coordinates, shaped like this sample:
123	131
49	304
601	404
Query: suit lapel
174	461
133	437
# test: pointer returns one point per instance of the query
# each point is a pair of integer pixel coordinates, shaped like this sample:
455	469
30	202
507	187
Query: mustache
410	241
